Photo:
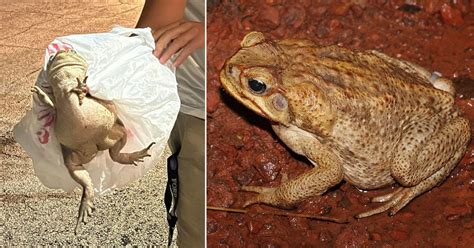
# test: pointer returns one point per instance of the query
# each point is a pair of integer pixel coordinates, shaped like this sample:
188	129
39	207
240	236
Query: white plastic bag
121	69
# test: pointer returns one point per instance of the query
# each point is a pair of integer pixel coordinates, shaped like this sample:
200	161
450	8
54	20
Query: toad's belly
368	176
88	124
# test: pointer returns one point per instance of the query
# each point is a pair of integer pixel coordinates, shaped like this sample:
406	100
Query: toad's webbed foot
394	201
265	195
399	198
128	158
85	209
140	155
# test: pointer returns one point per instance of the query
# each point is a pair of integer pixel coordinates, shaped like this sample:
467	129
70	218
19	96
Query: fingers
159	34
179	41
187	50
179	36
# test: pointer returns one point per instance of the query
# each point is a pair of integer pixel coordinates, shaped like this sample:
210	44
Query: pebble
405	217
352	236
212	226
247	24
334	24
220	195
266	167
213	100
299	223
325	236
340	9
321	31
271	15
254	226
375	236
294	16
243	178
456	212
451	15
399	235
344	203
432	6
357	10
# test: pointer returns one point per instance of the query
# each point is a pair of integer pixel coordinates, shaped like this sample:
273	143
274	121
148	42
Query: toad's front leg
81	90
291	192
42	96
81	176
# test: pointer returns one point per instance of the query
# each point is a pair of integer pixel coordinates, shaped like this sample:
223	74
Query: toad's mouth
230	85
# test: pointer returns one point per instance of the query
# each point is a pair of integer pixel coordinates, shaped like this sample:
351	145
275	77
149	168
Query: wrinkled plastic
121	69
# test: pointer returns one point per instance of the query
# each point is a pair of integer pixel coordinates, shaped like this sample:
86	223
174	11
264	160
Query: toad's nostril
233	71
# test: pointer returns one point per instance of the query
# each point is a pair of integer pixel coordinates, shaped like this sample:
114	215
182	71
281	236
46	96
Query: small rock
406	217
254	226
340	9
299	223
357	10
271	15
320	10
344	203
325	236
294	16
352	236
273	2
125	240
266	167
432	6
408	21
321	31
213	100
399	235
456	212
247	24
218	194
375	236
451	15
325	210
243	178
409	8
212	226
334	24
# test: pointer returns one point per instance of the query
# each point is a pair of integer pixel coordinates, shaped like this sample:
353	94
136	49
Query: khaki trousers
188	137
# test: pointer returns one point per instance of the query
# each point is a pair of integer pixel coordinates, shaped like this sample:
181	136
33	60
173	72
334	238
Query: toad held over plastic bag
84	125
363	117
87	136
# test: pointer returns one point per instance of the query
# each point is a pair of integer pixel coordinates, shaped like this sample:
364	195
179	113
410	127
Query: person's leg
188	135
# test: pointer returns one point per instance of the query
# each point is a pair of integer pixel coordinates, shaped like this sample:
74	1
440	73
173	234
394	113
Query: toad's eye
256	85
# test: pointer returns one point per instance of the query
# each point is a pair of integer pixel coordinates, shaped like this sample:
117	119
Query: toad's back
372	77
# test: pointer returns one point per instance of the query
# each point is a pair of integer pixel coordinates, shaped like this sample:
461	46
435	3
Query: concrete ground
31	214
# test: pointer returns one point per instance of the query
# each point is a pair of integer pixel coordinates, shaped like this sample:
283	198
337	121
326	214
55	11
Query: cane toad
362	117
84	125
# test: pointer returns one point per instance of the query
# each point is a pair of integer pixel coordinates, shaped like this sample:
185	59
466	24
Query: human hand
184	36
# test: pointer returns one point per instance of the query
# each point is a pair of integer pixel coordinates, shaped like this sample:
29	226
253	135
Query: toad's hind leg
398	199
429	163
73	162
119	134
